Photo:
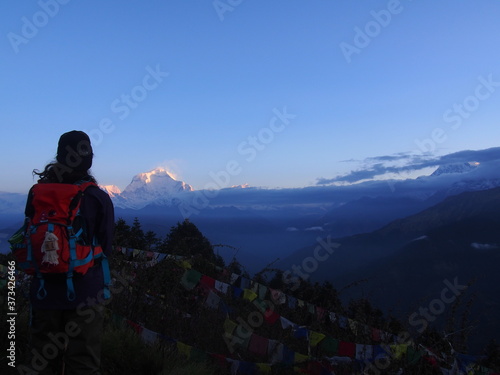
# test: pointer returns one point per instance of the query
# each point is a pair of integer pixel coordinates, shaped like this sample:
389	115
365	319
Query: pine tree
137	239
150	241
277	281
186	239
122	233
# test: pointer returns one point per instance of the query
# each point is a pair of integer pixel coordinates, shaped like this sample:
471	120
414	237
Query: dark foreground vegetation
177	308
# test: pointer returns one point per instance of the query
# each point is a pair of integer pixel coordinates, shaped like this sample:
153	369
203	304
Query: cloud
359	175
315	229
483	246
367	184
404	163
481	156
402	156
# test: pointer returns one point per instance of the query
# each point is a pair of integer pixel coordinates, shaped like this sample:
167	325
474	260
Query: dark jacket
97	210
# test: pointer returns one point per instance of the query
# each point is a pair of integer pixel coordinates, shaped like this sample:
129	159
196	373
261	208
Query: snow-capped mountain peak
151	176
112	190
153	187
454	168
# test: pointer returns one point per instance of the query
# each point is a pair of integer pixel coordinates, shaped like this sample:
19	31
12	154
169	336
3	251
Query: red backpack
53	238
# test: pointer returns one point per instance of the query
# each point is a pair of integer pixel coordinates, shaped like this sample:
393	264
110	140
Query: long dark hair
60	173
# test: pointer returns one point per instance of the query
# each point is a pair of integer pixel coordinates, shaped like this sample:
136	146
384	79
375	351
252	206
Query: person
66	335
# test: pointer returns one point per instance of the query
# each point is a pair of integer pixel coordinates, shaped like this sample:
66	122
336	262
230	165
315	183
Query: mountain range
404	266
266	224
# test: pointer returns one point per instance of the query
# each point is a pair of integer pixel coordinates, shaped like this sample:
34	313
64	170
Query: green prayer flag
329	346
190	279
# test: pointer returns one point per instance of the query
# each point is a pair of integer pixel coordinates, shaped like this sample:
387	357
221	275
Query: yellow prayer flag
249	295
315	338
300	357
184	349
255	287
264	368
399	350
229	327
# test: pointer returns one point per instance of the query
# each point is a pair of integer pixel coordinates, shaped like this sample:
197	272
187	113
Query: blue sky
281	93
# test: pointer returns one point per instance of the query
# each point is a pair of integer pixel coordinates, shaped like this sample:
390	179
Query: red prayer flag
207	281
258	345
136	327
347	349
271	316
376	334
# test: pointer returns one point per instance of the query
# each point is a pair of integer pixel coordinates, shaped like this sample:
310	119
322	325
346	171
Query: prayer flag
148	336
315	338
190	279
264	368
229	327
221	286
212	300
329	346
207	281
258	345
301	332
347	349
184	349
300	358
249	295
278	296
262	291
285	323
364	352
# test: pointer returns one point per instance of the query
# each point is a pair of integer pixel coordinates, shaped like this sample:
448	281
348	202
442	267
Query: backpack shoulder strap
29	210
103	258
85	184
